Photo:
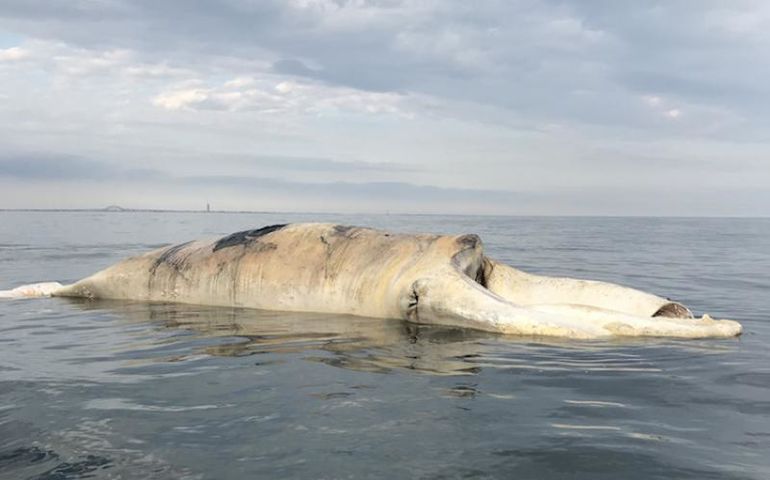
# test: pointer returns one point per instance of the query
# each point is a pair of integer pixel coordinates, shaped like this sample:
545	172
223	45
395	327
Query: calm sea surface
139	391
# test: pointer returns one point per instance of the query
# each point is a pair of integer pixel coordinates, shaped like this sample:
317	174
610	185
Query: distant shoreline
264	212
131	210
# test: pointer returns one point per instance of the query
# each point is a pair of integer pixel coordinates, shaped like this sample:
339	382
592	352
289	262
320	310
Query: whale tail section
32	290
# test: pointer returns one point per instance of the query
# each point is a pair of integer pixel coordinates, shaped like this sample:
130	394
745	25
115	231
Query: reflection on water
378	345
357	343
105	389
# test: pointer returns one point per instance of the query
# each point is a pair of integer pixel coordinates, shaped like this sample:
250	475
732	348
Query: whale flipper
455	300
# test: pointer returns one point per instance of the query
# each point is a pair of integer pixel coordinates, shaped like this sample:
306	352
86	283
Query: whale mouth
528	290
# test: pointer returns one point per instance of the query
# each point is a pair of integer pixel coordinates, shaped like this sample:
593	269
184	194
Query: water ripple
132	390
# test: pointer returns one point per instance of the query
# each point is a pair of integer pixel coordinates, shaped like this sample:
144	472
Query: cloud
42	167
292	66
158	190
272	95
662	107
653	100
57	169
12	54
551	62
310	164
529	95
174	100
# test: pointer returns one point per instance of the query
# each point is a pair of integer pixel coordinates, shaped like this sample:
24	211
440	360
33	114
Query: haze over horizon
522	108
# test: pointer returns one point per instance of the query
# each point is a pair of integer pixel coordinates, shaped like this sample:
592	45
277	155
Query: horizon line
278	212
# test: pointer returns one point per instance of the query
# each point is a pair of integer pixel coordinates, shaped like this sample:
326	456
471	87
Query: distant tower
208	207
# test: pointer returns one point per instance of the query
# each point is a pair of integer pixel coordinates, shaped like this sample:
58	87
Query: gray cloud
538	96
292	66
47	169
527	56
37	166
310	164
64	168
254	192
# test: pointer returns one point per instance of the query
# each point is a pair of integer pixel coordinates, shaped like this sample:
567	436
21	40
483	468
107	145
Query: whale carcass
436	279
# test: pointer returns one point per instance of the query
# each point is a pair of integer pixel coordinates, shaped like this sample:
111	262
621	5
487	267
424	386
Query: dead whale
430	279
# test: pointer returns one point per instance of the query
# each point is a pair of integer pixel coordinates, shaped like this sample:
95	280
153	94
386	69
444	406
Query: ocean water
140	391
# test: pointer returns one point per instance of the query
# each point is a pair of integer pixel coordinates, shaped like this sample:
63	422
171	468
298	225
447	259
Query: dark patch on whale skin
246	237
470	241
170	257
339	232
344	230
673	310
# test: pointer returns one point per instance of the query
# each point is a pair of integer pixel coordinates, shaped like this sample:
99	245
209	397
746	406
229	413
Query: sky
517	107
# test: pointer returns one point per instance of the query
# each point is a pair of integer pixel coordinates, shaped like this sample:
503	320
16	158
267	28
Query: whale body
434	279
